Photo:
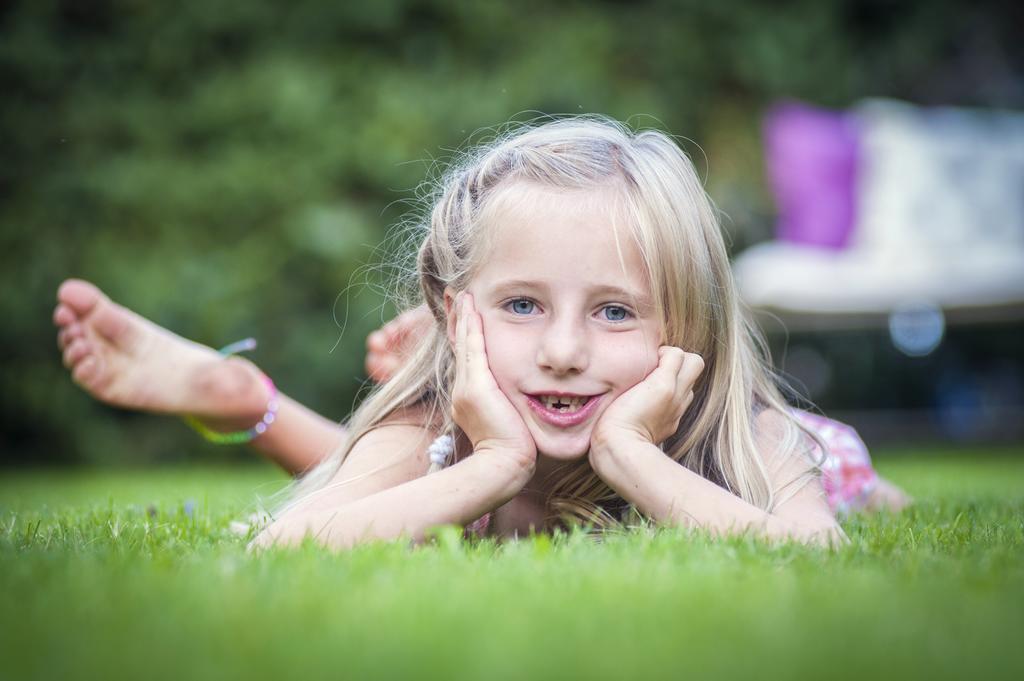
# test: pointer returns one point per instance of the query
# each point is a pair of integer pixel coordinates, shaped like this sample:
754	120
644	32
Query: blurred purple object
812	167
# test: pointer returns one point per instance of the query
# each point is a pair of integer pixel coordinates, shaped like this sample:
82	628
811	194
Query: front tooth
562	410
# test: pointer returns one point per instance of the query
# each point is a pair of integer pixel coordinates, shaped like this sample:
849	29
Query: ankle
232	394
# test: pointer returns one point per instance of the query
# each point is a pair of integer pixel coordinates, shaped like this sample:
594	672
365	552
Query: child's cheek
505	355
627	361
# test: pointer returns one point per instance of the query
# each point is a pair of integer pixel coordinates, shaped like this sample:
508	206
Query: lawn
134	574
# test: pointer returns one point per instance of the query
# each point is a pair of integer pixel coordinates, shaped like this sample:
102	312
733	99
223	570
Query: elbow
813	529
828	535
268	537
330	533
286	532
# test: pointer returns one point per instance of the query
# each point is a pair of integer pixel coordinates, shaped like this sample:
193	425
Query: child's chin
568	448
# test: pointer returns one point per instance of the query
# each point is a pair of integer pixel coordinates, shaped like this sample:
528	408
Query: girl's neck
547	473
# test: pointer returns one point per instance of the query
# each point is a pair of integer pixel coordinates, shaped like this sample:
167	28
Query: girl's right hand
479	407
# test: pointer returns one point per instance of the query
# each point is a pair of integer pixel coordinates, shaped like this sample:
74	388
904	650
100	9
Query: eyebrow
511	285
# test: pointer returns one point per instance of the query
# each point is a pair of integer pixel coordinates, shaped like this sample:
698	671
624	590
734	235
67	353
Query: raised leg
127	361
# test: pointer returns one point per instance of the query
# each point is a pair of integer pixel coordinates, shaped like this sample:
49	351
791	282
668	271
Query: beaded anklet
241	436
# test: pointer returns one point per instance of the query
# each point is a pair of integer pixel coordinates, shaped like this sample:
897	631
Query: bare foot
887	496
388	347
127	361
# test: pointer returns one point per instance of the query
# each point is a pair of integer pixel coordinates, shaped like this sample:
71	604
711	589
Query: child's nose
563	348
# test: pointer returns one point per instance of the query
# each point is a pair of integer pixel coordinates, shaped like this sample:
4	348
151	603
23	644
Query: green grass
105	575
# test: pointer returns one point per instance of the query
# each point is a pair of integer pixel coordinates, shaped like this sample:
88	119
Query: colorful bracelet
241	436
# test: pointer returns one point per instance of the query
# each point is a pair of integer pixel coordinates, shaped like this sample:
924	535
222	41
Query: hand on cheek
650	411
479	407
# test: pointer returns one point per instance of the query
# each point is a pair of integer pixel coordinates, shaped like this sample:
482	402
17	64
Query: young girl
584	353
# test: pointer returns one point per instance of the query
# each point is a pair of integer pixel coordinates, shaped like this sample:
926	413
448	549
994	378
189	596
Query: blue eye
522	306
615	313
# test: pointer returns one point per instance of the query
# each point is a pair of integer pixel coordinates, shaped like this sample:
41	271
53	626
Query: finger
689	371
687	401
476	352
74	353
671	359
62	339
681	406
460	336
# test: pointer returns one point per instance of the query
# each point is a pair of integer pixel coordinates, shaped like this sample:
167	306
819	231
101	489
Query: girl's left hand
650	410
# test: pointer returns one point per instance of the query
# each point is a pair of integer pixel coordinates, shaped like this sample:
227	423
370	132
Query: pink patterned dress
847	474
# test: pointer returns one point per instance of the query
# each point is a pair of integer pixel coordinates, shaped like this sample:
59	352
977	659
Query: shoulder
771	422
776	434
400	440
384	456
786	450
413	416
795	478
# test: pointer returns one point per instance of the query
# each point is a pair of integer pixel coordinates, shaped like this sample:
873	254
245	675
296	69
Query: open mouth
563	404
563	410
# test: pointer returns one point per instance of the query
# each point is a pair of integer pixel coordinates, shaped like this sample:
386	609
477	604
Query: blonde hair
675	228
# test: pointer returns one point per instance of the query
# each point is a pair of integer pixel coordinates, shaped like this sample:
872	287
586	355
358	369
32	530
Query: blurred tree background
229	168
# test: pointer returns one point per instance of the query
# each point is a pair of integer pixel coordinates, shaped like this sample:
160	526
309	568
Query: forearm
299	438
457	495
672	494
237	396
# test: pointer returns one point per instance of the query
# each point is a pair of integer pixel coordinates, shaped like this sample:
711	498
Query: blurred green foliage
226	168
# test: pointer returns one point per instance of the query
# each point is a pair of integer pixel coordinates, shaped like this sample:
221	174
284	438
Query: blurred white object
940	218
916	329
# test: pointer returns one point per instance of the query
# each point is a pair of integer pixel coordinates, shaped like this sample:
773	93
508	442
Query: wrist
624	463
612	442
514	465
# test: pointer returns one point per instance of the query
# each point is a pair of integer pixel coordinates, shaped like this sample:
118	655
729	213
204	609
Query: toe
371	363
377	342
62	315
398	328
382	368
408	325
85	371
114	323
75	352
378	367
79	295
68	334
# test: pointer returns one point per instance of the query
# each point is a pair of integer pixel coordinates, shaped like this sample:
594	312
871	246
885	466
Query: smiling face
567	313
